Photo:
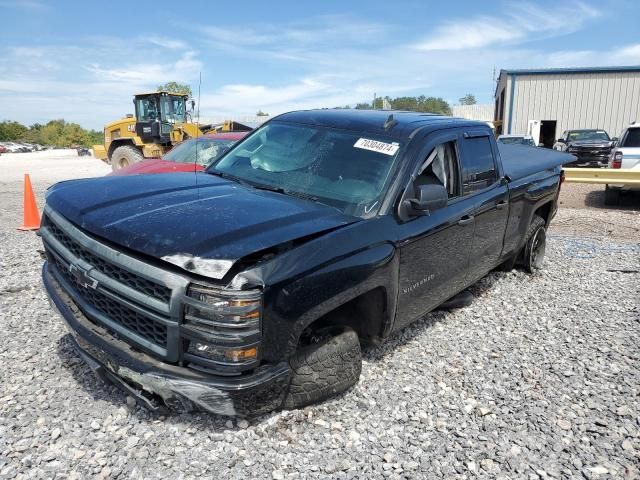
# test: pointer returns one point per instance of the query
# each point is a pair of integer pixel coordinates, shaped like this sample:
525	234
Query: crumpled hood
170	217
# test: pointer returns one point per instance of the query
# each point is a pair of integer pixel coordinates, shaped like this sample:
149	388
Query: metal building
482	112
544	103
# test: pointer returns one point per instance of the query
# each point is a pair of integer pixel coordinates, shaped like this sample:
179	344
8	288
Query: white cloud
181	70
169	43
519	23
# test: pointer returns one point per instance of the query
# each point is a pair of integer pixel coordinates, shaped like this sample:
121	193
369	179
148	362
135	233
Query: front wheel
124	156
326	365
535	248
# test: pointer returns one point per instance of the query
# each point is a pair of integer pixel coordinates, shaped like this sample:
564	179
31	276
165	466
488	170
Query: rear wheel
124	156
535	248
329	362
611	196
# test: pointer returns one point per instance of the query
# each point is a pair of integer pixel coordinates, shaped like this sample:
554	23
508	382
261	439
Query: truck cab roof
399	124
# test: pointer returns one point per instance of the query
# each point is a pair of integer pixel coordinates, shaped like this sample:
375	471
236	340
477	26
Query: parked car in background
3	149
13	147
192	155
515	139
591	147
625	155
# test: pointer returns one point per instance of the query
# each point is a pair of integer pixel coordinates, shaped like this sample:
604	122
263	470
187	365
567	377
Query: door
547	133
534	130
482	183
434	249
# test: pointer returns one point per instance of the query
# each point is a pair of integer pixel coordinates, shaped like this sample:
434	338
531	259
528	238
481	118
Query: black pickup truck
251	286
592	148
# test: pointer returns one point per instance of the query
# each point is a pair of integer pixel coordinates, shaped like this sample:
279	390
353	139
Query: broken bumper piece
161	386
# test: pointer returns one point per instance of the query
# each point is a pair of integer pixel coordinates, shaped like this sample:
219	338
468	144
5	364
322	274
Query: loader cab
157	113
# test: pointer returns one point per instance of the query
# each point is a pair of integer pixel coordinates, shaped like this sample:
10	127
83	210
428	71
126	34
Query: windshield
517	141
340	168
588	135
200	151
633	138
147	109
173	109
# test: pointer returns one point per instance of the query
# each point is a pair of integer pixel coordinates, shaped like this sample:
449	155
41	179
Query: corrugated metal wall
577	100
482	112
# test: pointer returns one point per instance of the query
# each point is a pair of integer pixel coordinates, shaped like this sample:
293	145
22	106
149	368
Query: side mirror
615	139
428	198
560	140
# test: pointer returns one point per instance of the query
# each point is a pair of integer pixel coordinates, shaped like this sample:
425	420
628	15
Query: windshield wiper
284	191
269	188
228	176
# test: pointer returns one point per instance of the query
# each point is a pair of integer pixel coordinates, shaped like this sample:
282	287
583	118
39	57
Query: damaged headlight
218	308
221	328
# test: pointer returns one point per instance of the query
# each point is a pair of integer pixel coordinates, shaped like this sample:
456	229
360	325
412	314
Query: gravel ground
538	378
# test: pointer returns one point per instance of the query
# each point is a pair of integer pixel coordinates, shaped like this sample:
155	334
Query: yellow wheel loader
161	121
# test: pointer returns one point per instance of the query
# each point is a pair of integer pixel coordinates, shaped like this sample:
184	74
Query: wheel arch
367	314
544	211
120	143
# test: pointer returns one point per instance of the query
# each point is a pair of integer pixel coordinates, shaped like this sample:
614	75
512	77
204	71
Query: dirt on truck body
251	286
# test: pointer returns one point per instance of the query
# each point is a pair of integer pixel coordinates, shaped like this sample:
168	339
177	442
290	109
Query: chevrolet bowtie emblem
82	278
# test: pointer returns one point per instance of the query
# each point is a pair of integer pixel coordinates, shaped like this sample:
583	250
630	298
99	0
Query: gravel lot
538	378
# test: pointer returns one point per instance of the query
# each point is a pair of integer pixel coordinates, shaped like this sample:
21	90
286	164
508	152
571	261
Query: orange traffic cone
31	216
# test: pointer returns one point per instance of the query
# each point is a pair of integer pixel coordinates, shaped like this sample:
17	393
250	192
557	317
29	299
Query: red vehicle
192	155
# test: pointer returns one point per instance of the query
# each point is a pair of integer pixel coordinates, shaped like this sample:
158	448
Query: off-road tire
324	368
611	196
124	156
534	249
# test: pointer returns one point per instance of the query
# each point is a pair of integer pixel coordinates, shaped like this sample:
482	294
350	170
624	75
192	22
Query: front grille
119	313
112	271
115	290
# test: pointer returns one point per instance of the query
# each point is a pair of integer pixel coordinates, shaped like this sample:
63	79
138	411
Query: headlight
221	309
221	328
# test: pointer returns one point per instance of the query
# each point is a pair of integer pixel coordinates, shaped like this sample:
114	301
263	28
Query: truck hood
203	227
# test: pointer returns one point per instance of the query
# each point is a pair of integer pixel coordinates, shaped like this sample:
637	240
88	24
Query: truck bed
520	161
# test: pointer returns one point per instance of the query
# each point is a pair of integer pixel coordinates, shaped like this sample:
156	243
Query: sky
84	60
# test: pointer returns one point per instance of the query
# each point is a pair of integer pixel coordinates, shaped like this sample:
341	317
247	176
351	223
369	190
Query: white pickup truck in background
626	155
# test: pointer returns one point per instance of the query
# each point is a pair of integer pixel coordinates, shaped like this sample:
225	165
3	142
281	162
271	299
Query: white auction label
375	146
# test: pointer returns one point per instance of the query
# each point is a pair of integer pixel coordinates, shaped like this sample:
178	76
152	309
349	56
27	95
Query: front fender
314	279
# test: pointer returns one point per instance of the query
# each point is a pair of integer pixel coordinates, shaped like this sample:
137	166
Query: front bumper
160	385
589	160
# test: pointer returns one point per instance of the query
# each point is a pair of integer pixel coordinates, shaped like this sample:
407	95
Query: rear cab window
631	138
478	162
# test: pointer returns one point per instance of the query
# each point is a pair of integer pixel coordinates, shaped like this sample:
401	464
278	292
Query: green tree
56	132
10	131
260	113
175	87
468	99
411	104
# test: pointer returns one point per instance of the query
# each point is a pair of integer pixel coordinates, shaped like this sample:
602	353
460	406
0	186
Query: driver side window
440	167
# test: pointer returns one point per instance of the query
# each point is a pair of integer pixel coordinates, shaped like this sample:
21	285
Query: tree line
420	103
57	133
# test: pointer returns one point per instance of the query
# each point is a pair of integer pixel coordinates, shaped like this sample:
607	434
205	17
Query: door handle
501	205
466	220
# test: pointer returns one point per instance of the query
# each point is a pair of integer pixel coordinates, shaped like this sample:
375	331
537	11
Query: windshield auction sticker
375	146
